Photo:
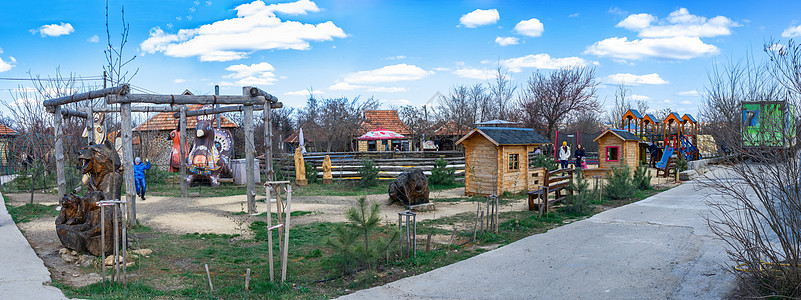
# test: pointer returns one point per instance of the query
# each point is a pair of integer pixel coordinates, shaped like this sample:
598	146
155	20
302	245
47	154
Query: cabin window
612	153
514	161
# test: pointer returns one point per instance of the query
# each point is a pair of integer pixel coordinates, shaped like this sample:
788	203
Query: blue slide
665	157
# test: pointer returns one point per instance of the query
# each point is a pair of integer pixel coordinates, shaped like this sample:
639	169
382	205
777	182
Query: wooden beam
254	91
127	162
117	90
266	116
182	141
217	110
186	99
59	151
145	109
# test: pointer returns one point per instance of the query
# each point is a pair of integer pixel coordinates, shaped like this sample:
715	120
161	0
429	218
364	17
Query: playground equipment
664	164
677	132
768	124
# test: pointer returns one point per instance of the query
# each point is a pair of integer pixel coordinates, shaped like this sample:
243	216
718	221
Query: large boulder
410	188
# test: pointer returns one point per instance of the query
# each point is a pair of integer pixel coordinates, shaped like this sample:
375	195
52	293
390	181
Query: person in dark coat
580	154
654	149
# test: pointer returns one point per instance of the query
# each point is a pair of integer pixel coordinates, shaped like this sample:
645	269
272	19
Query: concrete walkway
657	248
23	275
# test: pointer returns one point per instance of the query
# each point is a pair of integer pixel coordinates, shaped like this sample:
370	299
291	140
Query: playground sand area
225	215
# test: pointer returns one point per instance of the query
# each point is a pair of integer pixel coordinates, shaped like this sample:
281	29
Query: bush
579	202
311	172
544	161
642	178
619	185
681	163
363	222
369	173
441	175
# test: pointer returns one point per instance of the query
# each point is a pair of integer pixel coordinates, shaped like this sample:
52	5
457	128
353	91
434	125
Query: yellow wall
481	166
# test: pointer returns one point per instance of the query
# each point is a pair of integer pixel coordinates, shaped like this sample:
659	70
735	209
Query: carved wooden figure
327	178
300	168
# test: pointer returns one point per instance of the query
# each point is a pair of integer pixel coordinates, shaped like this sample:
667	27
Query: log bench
555	184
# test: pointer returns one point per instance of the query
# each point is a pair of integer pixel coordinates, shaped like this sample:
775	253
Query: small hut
497	160
617	147
385	119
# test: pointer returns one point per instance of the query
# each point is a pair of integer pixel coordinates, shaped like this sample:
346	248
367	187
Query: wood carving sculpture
175	155
78	223
209	157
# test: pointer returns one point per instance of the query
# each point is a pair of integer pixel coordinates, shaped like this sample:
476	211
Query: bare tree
486	109
762	225
458	107
554	97
642	106
415	119
622	105
501	93
335	120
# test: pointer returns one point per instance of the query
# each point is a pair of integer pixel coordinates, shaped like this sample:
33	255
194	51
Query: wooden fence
345	165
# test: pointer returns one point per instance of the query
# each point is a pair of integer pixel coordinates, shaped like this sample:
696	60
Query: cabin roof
622	134
508	136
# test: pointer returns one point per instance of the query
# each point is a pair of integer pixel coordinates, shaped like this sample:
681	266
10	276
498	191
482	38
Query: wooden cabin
497	160
617	147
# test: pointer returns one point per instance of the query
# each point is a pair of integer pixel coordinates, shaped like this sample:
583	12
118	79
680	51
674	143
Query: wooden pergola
650	121
628	117
671	119
252	98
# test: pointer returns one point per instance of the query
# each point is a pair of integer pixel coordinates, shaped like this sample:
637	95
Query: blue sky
401	52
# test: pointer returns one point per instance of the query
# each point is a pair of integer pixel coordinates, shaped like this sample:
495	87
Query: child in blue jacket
139	176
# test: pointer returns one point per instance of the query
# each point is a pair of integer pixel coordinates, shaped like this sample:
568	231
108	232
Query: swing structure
120	101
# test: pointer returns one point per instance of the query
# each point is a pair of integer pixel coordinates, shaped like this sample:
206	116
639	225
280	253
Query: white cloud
678	36
639	97
573	15
686	102
393	73
179	80
689	93
397	101
344	86
382	89
473	73
255	28
542	61
54	29
636	22
631	79
680	47
531	27
255	74
25	102
4	66
792	32
480	17
678	23
506	41
776	47
666	101
396	57
304	93
93	39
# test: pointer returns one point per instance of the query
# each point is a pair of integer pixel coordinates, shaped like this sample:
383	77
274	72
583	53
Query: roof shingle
165	121
387	119
509	136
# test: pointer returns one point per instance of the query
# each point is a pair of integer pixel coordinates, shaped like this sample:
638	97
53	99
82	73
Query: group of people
580	155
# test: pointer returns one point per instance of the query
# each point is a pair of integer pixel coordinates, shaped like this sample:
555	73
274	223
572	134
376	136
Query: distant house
152	138
497	160
447	134
311	132
383	119
7	136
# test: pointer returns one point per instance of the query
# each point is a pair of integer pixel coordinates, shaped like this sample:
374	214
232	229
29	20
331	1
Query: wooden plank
58	132
217	110
127	162
186	99
90	128
139	108
255	92
121	89
182	134
266	116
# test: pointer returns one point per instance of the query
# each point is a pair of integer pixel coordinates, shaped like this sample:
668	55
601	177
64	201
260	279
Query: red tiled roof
451	128
387	119
165	121
4	130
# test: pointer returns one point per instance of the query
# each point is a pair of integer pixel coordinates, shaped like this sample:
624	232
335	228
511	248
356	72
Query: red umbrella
380	134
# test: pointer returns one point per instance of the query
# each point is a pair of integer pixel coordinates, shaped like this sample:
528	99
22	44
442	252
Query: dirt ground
223	215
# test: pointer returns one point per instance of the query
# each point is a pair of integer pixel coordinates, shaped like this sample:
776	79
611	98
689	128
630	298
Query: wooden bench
555	184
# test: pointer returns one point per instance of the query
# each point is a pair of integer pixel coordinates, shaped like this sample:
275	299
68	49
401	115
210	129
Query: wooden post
127	156
267	188
90	127
182	134
250	151
266	116
286	232
59	149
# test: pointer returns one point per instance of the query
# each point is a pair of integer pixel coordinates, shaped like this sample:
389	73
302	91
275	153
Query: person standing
580	154
564	155
139	176
654	149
